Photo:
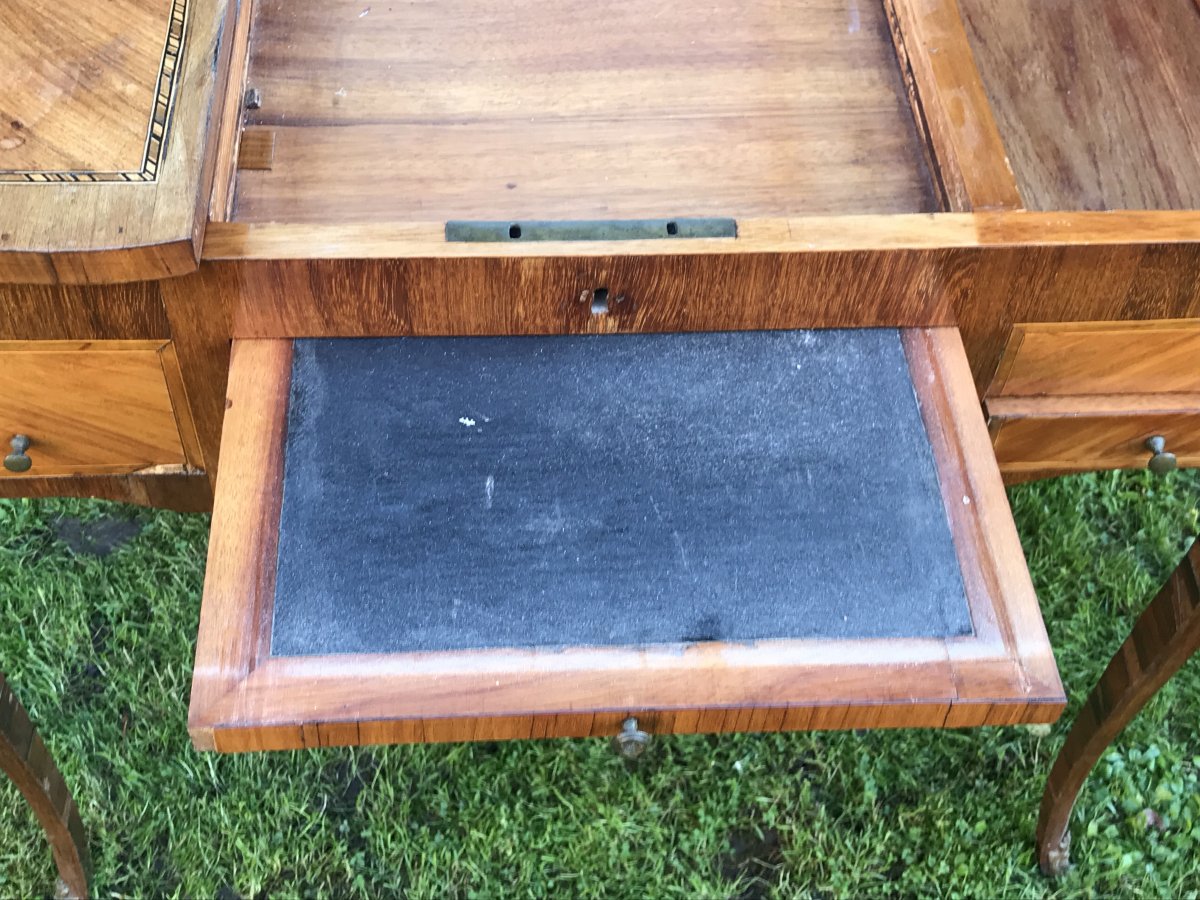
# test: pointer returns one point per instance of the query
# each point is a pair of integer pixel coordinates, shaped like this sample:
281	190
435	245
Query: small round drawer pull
1161	462
631	742
18	460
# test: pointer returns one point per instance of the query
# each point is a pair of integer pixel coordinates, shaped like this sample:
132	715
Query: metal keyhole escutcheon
18	460
631	742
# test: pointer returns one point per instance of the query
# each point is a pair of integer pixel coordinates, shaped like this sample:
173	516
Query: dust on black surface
96	537
627	490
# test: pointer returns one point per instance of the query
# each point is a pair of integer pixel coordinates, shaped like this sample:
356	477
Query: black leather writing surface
456	493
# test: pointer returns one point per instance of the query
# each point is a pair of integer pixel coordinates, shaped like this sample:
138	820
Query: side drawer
1085	396
1034	436
486	538
96	407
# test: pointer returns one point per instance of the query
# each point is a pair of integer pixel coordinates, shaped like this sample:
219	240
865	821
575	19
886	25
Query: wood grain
25	759
1098	103
82	312
82	83
243	698
236	587
92	408
1100	358
97	313
995	573
237	241
94	84
983	291
229	109
578	110
944	279
181	408
581	725
950	107
257	149
1056	435
1073	284
198	311
181	491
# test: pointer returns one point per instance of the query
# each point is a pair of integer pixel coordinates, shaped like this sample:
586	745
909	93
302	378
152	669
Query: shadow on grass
100	619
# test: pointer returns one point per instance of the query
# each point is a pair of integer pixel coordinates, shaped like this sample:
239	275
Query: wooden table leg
1162	640
24	758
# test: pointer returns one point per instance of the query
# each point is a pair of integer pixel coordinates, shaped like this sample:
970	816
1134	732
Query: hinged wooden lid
104	150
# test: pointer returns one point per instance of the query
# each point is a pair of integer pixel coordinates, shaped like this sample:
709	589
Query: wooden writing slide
550	546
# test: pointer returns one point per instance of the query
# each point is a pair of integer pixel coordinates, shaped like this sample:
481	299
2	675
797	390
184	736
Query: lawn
100	647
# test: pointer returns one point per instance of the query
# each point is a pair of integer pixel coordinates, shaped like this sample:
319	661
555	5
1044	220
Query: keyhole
599	301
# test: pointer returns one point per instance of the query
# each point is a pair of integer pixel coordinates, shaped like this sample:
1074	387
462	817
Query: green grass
100	650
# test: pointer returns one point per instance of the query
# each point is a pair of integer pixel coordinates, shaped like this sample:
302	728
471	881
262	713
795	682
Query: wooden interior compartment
1098	103
247	696
95	407
432	111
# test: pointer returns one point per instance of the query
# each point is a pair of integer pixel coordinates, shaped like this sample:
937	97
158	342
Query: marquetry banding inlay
158	127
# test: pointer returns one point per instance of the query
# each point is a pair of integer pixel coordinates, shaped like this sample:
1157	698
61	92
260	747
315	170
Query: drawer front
1027	442
540	537
100	407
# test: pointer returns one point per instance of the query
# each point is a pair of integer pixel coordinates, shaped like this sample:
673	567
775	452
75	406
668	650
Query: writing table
211	211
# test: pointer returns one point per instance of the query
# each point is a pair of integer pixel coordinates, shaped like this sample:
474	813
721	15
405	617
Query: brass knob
18	460
630	742
1161	462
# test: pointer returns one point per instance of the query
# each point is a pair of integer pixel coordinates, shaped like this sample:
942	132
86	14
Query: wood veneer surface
1098	102
1044	435
104	136
1090	358
89	408
83	83
518	109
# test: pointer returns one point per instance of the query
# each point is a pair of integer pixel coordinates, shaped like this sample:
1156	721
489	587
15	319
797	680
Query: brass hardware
1161	462
590	230
18	460
630	743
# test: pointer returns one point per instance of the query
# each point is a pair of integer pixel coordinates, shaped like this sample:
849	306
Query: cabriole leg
1162	640
24	758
